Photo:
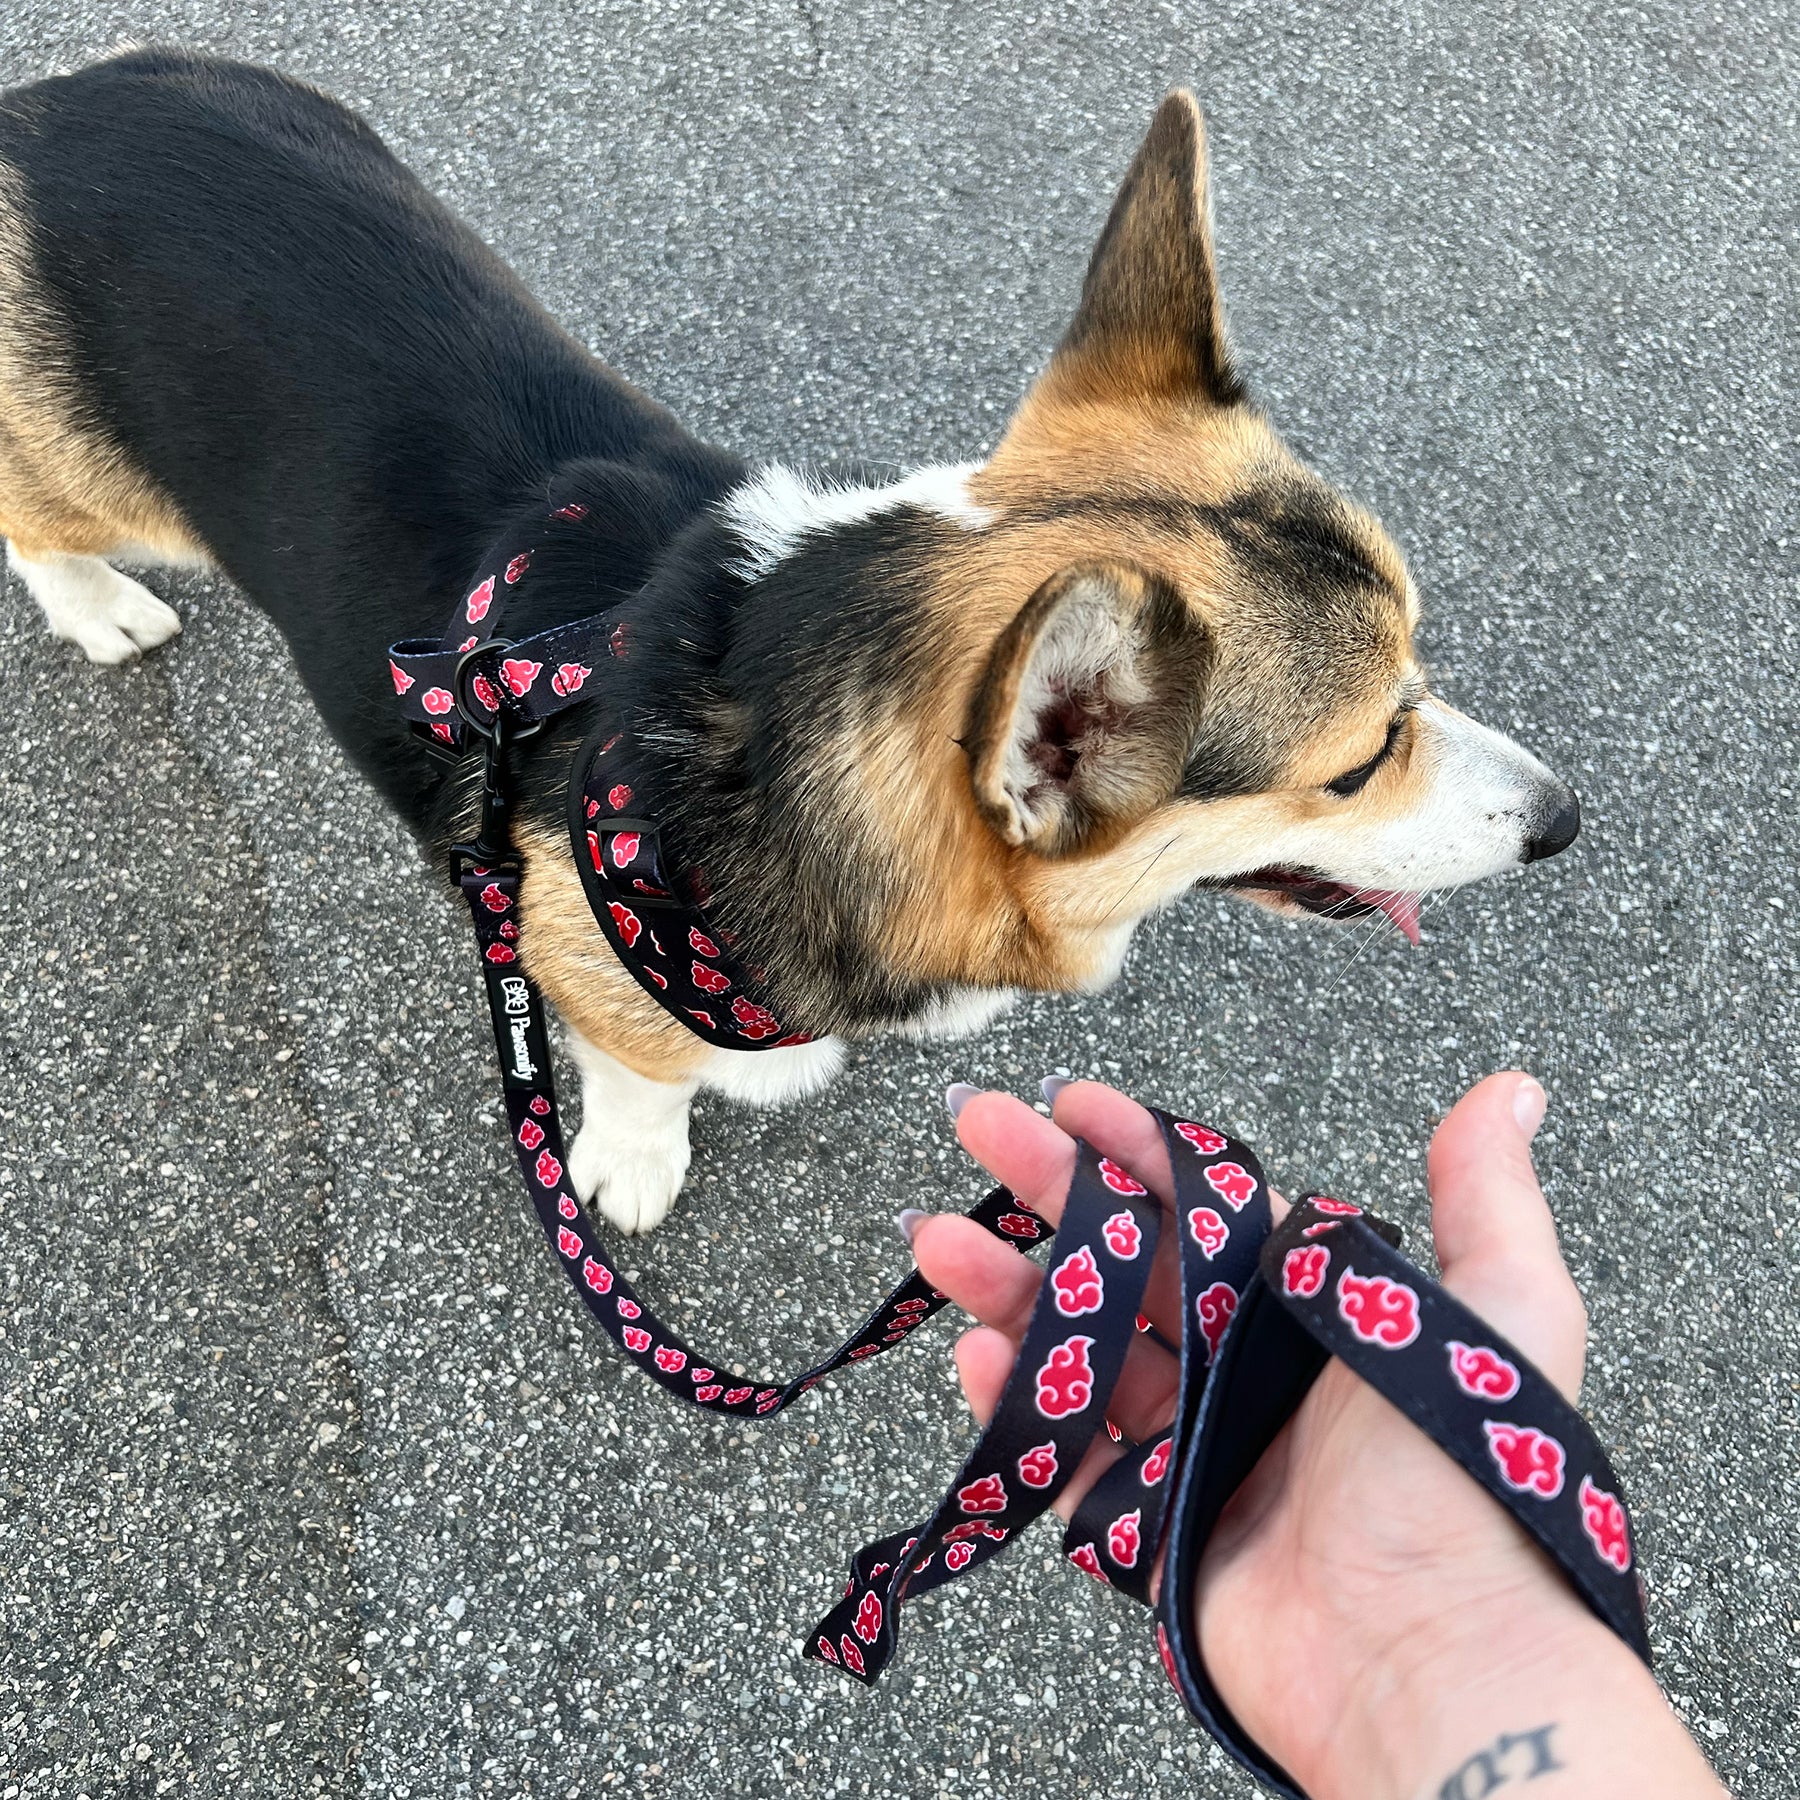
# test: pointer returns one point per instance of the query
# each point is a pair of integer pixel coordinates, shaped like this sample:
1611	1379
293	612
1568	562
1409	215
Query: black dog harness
1263	1309
474	684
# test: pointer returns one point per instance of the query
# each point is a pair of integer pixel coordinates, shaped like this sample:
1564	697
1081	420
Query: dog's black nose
1557	832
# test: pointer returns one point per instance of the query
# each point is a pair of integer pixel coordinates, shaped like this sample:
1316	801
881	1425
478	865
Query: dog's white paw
633	1181
110	617
130	621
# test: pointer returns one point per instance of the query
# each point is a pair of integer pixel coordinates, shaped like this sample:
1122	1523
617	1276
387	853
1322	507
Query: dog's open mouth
1335	900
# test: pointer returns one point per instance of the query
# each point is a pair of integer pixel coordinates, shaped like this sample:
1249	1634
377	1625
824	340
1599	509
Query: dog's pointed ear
1150	321
1088	706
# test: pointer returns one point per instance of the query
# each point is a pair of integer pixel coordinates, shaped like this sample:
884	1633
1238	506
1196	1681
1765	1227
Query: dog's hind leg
631	1154
72	500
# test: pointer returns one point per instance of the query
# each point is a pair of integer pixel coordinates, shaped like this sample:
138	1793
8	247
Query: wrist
1452	1692
1540	1694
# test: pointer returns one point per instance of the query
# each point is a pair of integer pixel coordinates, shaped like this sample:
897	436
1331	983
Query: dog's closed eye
1355	780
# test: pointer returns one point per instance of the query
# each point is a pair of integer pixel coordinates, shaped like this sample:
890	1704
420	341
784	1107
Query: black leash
1263	1310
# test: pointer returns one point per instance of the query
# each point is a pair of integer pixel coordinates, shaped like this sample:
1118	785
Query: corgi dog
936	737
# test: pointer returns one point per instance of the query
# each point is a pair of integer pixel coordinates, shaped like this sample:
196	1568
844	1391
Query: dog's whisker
1368	937
1142	877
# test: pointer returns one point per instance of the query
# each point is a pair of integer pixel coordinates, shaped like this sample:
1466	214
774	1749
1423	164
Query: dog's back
234	327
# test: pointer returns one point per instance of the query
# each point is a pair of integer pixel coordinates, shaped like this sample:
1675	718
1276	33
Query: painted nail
908	1220
1529	1101
1052	1085
958	1095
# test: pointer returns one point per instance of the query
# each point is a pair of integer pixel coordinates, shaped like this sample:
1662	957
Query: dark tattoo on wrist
1515	1756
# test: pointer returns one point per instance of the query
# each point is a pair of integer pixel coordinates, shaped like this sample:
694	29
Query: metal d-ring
481	726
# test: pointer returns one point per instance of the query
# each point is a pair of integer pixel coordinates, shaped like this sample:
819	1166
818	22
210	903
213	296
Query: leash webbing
1263	1311
534	1122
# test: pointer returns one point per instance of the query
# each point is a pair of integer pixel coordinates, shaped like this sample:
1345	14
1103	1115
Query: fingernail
908	1220
1529	1101
958	1095
1052	1085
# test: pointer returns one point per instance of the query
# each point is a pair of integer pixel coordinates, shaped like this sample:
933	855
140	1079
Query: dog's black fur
386	400
353	459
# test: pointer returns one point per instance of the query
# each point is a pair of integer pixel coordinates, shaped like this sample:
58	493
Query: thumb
1496	1241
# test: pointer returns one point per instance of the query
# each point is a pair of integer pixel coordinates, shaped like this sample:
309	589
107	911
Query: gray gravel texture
311	1478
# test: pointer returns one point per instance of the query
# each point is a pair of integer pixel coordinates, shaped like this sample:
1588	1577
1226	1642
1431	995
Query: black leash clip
492	845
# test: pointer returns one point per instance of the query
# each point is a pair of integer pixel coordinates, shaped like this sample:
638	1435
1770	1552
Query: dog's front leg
631	1154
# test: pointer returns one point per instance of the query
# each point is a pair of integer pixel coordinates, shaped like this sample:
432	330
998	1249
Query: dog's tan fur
1138	404
65	487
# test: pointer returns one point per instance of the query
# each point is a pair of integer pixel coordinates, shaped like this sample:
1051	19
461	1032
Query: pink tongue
1403	909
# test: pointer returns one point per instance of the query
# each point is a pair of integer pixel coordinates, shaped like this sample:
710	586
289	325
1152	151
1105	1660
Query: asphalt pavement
313	1481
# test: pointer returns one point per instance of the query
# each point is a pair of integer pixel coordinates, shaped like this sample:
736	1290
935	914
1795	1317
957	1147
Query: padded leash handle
1331	1283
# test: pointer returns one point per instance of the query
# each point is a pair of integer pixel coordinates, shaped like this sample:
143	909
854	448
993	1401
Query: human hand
1364	1608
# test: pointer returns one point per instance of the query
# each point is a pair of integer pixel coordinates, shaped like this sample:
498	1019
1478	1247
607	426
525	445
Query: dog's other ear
1150	322
1088	706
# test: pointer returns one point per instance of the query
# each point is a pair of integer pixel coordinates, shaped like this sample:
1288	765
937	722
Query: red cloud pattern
1378	1309
1603	1519
1481	1372
1065	1384
1208	1230
1530	1461
1120	1180
1122	1541
986	1495
1303	1270
1076	1284
1232	1182
1084	1556
1205	1142
1124	1236
1214	1310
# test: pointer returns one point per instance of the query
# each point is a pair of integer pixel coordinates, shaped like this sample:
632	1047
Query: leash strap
1263	1311
533	1119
